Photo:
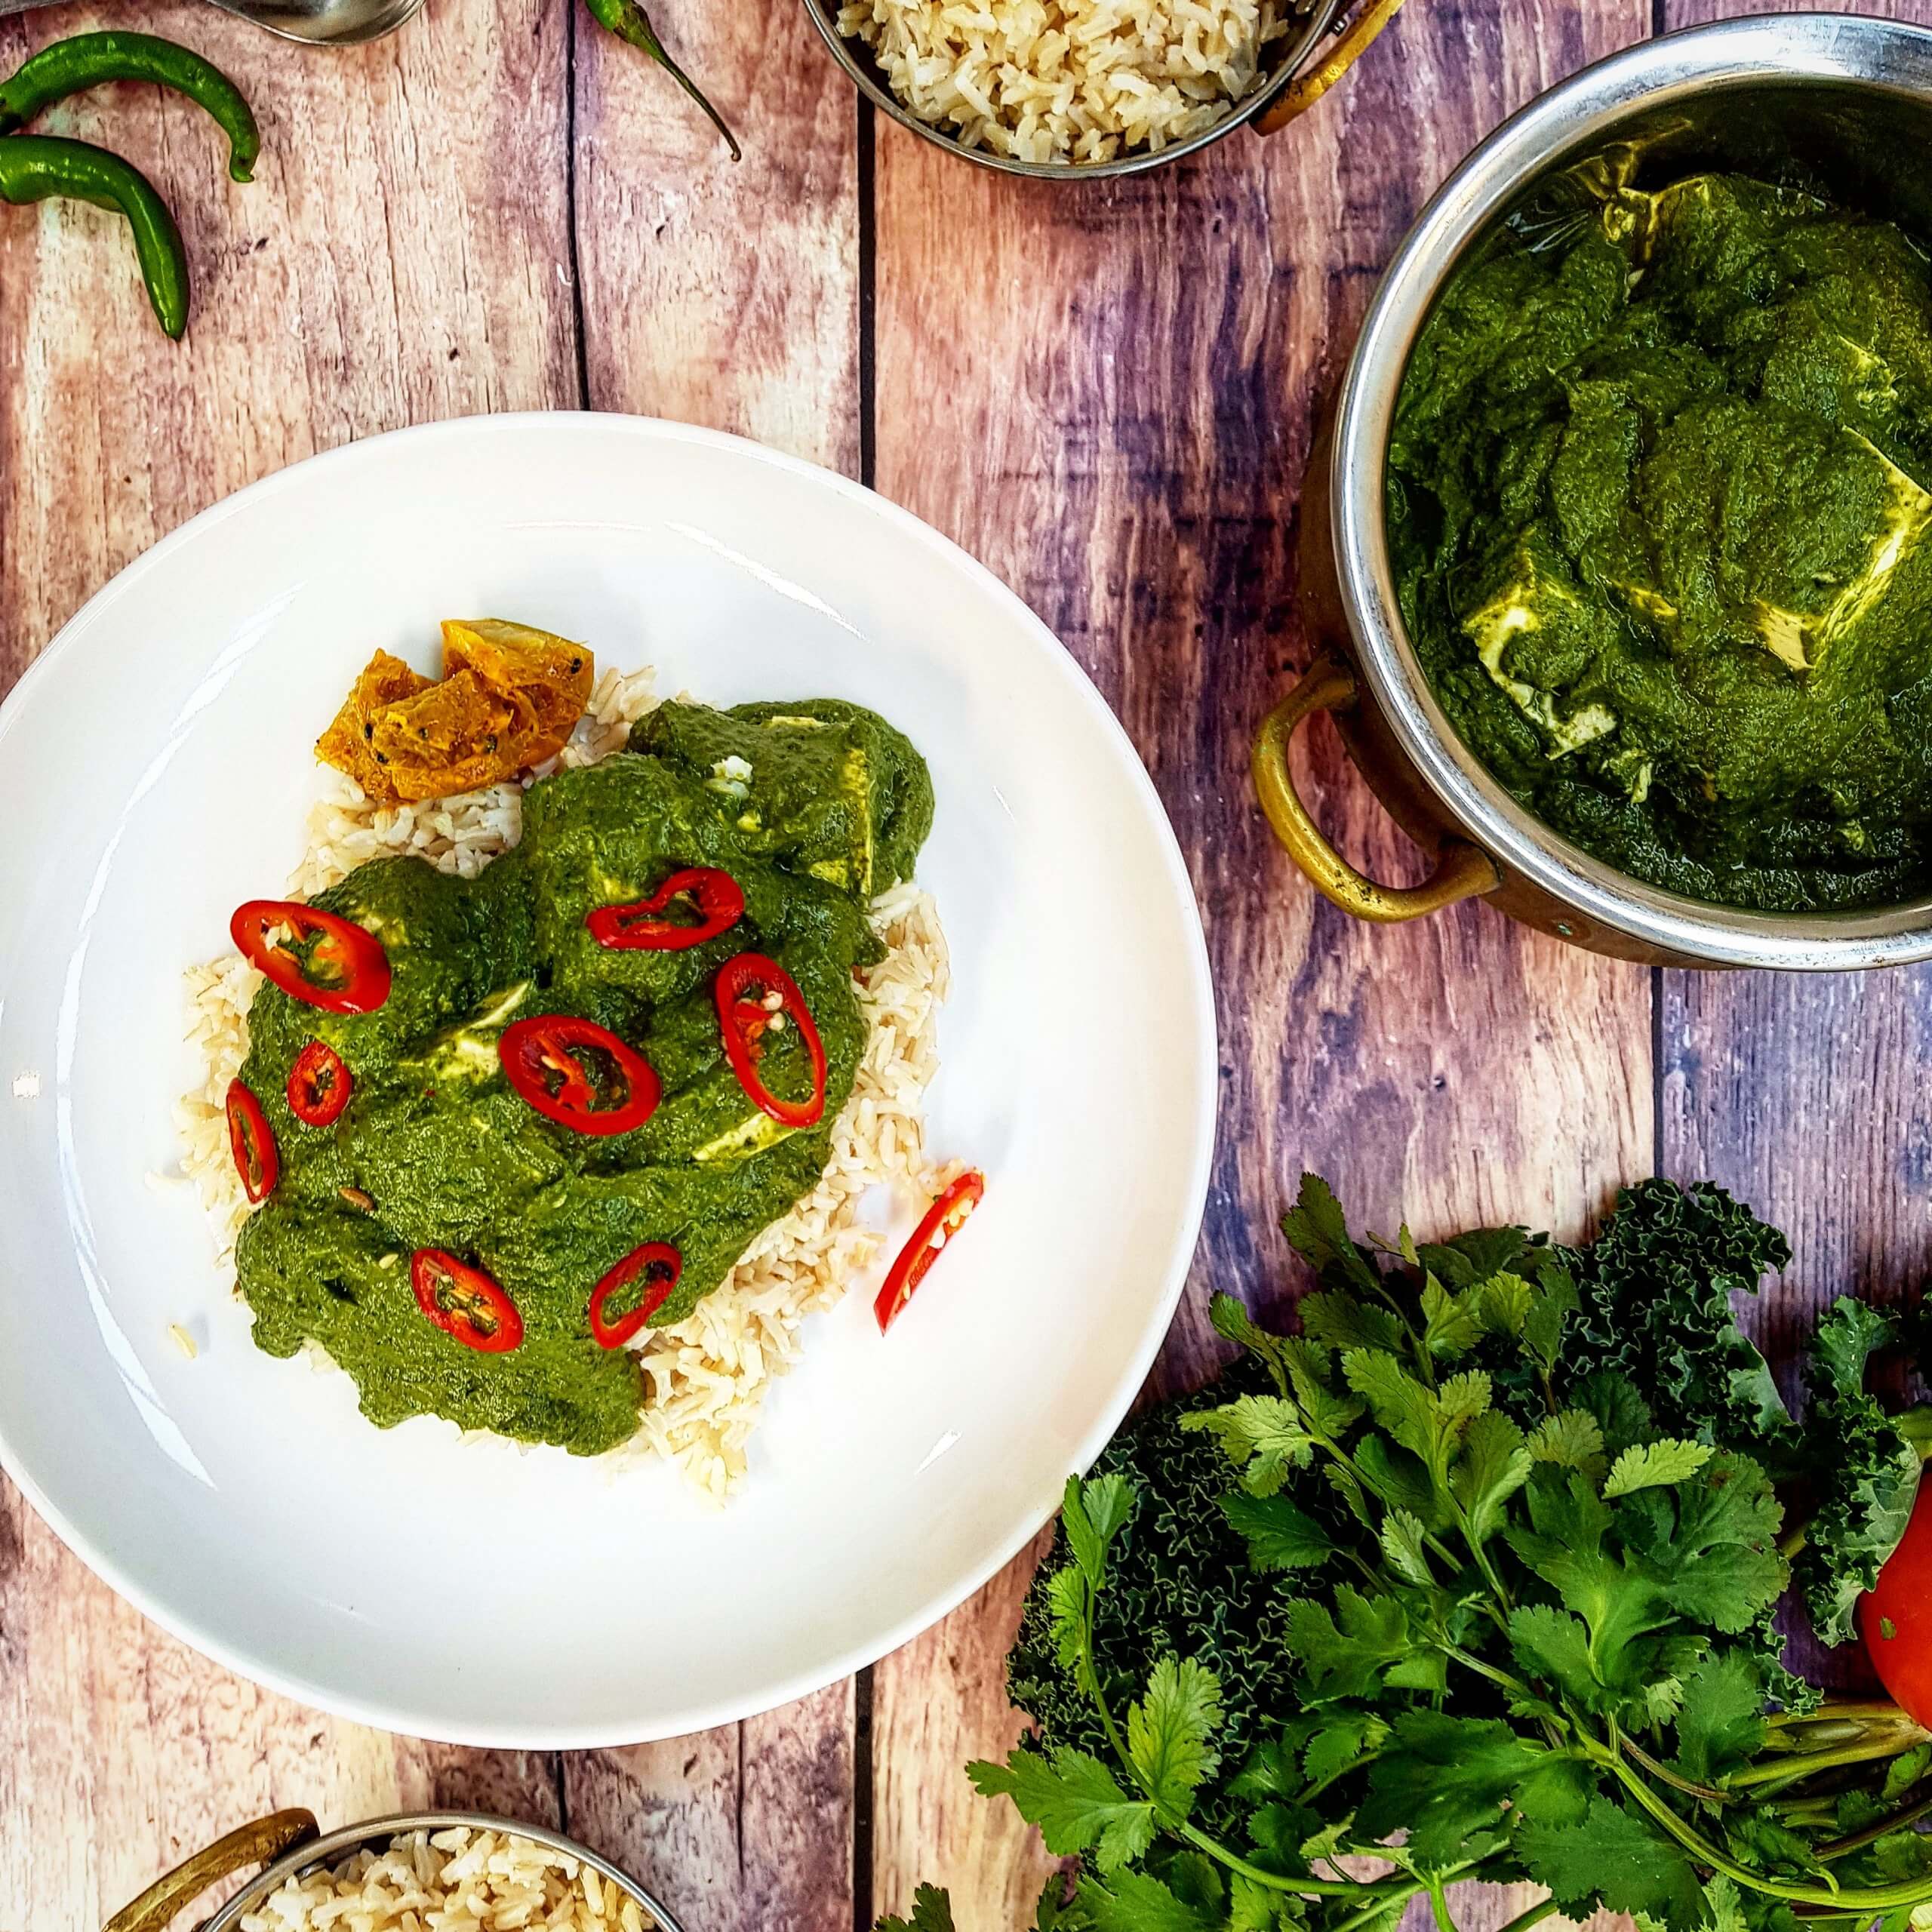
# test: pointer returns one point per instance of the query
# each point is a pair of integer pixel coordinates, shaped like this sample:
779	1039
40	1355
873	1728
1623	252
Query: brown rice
1076	81
461	1880
707	1377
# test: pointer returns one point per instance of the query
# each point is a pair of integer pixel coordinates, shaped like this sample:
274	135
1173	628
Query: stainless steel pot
291	1845
1320	47
1848	101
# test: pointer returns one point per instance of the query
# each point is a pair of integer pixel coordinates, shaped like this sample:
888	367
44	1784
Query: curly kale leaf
1655	1289
1179	1584
1865	1470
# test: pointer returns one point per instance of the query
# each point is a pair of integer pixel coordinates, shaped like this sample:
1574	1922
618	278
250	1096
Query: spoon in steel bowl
320	22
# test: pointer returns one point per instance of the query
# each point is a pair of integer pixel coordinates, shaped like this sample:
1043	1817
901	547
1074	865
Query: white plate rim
864	1653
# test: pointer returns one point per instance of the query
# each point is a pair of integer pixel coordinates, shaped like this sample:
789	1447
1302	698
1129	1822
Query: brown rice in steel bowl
423	1872
1076	83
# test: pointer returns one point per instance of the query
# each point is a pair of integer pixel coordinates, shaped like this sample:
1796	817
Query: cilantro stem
1664	1775
1788	1769
1439	1906
1879	1899
1500	1678
1899	1821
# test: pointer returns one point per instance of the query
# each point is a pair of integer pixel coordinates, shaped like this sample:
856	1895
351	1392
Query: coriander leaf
1229	1319
1494	1464
1344	1653
1402	1545
1468	1258
1399	1403
1573	1441
1446	1781
1622	1414
1553	1647
1341	1741
1712	1543
1318	1232
1263	1436
1504	1302
1196	1880
1655	1465
1724	1910
1721	1724
1279	1535
1076	1801
1065	1593
1555	1301
1615	1859
1333	1320
1092	1513
1136	1901
1167	1732
1399	1480
1326	1413
1452	1325
1461	1400
932	1911
1275	1835
1252	1907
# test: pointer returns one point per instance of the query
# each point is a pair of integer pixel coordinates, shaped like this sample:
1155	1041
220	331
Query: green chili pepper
628	20
35	167
90	60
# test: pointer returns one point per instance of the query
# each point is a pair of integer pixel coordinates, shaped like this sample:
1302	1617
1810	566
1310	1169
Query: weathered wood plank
122	1751
727	295
1129	376
399	259
401	256
715	294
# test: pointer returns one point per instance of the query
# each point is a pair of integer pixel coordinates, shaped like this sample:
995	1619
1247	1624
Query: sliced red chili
579	1074
648	925
660	1265
318	1084
943	1220
757	997
463	1302
251	1140
316	957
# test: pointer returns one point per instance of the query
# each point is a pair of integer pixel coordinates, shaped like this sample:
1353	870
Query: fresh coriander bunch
1478	1610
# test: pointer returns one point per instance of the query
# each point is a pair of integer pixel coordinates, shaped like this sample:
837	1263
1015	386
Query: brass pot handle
1305	90
266	1838
1462	871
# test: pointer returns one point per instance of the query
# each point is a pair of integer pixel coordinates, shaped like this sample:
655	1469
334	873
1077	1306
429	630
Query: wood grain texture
400	256
1131	373
727	295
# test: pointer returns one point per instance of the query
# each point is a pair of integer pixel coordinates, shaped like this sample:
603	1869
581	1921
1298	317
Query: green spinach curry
806	811
1661	505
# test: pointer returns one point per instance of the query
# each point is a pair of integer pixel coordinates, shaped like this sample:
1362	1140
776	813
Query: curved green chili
36	167
628	20
90	60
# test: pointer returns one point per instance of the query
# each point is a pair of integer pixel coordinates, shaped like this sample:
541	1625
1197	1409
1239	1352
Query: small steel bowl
1841	99
1299	70
291	1843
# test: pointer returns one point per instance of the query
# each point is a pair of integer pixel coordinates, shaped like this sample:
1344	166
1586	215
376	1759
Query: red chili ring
660	1264
464	1302
318	1085
251	1140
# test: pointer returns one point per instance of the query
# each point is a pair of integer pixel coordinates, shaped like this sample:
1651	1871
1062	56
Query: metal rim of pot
288	1843
1491	835
1300	73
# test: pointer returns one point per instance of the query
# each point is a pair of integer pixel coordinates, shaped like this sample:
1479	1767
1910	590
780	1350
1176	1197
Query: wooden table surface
1106	392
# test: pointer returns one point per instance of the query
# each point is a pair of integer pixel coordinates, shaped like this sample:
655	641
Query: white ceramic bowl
155	770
